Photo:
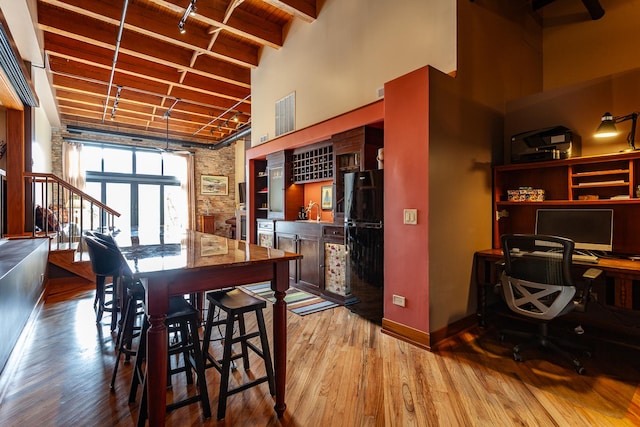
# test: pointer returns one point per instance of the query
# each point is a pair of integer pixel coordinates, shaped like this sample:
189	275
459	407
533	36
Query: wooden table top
156	253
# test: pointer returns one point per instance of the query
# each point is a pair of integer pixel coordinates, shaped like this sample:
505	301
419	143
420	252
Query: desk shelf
607	181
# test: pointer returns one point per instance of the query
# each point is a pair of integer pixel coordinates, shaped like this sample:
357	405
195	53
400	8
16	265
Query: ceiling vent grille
11	66
286	114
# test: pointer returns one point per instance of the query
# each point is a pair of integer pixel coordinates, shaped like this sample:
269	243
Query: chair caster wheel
517	357
501	337
580	370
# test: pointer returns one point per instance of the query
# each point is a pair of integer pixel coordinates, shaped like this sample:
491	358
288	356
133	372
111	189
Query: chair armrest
582	298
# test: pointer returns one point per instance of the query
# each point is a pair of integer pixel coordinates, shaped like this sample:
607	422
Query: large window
145	186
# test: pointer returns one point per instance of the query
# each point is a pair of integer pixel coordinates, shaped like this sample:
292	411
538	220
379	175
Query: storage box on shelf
607	181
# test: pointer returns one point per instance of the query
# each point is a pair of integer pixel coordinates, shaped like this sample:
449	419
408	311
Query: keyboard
575	257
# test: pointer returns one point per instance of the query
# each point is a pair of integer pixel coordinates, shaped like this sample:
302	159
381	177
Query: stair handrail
71	188
56	193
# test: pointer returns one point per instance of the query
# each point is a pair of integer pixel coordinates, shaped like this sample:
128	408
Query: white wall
41	144
337	63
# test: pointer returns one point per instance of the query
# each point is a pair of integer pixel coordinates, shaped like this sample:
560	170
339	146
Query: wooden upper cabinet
284	198
353	150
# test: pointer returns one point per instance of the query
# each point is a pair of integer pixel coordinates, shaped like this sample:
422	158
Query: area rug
298	302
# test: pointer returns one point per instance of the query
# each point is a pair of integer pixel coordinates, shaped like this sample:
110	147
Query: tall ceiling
124	66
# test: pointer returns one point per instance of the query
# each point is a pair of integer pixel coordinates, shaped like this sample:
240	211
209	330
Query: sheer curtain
71	168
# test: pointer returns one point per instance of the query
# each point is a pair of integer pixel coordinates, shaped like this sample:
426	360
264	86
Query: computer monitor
590	229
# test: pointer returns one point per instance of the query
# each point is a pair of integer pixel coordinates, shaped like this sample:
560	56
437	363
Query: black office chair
539	286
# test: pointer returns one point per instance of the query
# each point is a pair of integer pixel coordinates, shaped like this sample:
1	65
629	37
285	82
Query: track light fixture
115	103
189	11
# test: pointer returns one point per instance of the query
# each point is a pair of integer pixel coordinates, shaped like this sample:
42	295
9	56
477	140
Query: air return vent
286	114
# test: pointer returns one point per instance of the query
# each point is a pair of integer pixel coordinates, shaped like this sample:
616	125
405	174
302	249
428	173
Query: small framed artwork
214	185
327	197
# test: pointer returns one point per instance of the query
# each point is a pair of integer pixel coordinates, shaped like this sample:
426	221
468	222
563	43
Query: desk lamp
607	127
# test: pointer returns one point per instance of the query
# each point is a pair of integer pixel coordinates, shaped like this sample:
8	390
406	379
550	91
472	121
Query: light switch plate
411	216
399	300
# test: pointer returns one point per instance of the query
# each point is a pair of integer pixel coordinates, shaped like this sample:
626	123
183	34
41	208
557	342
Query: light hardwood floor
342	371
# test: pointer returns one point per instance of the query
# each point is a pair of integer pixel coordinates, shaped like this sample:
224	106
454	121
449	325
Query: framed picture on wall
327	197
214	185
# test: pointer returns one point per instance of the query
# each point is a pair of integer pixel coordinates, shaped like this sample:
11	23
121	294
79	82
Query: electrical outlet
411	216
399	300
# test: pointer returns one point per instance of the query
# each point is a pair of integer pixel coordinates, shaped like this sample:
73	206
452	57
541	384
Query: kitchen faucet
311	205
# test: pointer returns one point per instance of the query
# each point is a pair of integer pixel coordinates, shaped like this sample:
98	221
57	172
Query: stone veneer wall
206	162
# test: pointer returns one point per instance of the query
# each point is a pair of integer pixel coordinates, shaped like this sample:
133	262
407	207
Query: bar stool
106	261
184	320
127	329
236	303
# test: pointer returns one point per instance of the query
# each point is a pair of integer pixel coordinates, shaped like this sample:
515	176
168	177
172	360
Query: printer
557	142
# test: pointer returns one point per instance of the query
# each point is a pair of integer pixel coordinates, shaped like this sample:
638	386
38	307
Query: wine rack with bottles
313	164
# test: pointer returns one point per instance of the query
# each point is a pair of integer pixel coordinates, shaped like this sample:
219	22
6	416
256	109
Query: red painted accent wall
406	165
313	191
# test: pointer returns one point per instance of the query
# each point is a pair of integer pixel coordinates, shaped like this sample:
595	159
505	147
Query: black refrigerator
364	233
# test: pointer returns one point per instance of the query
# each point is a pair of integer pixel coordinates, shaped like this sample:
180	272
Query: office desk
619	277
196	262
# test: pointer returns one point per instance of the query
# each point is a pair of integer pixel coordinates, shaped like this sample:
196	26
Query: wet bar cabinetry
302	237
285	198
265	232
605	181
354	150
333	260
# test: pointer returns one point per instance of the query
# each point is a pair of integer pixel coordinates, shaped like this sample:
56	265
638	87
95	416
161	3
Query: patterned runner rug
299	302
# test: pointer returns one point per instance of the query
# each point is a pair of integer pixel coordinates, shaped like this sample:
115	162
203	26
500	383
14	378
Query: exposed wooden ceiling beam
208	68
97	33
303	9
242	24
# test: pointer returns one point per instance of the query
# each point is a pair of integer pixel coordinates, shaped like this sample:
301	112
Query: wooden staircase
68	262
64	213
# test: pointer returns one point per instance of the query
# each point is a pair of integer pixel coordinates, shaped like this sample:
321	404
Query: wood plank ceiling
124	66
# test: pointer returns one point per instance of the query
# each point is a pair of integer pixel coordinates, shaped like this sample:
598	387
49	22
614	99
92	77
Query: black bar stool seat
236	303
184	321
106	262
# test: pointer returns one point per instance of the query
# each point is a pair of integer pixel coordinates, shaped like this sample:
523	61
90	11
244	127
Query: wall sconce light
189	11
608	128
